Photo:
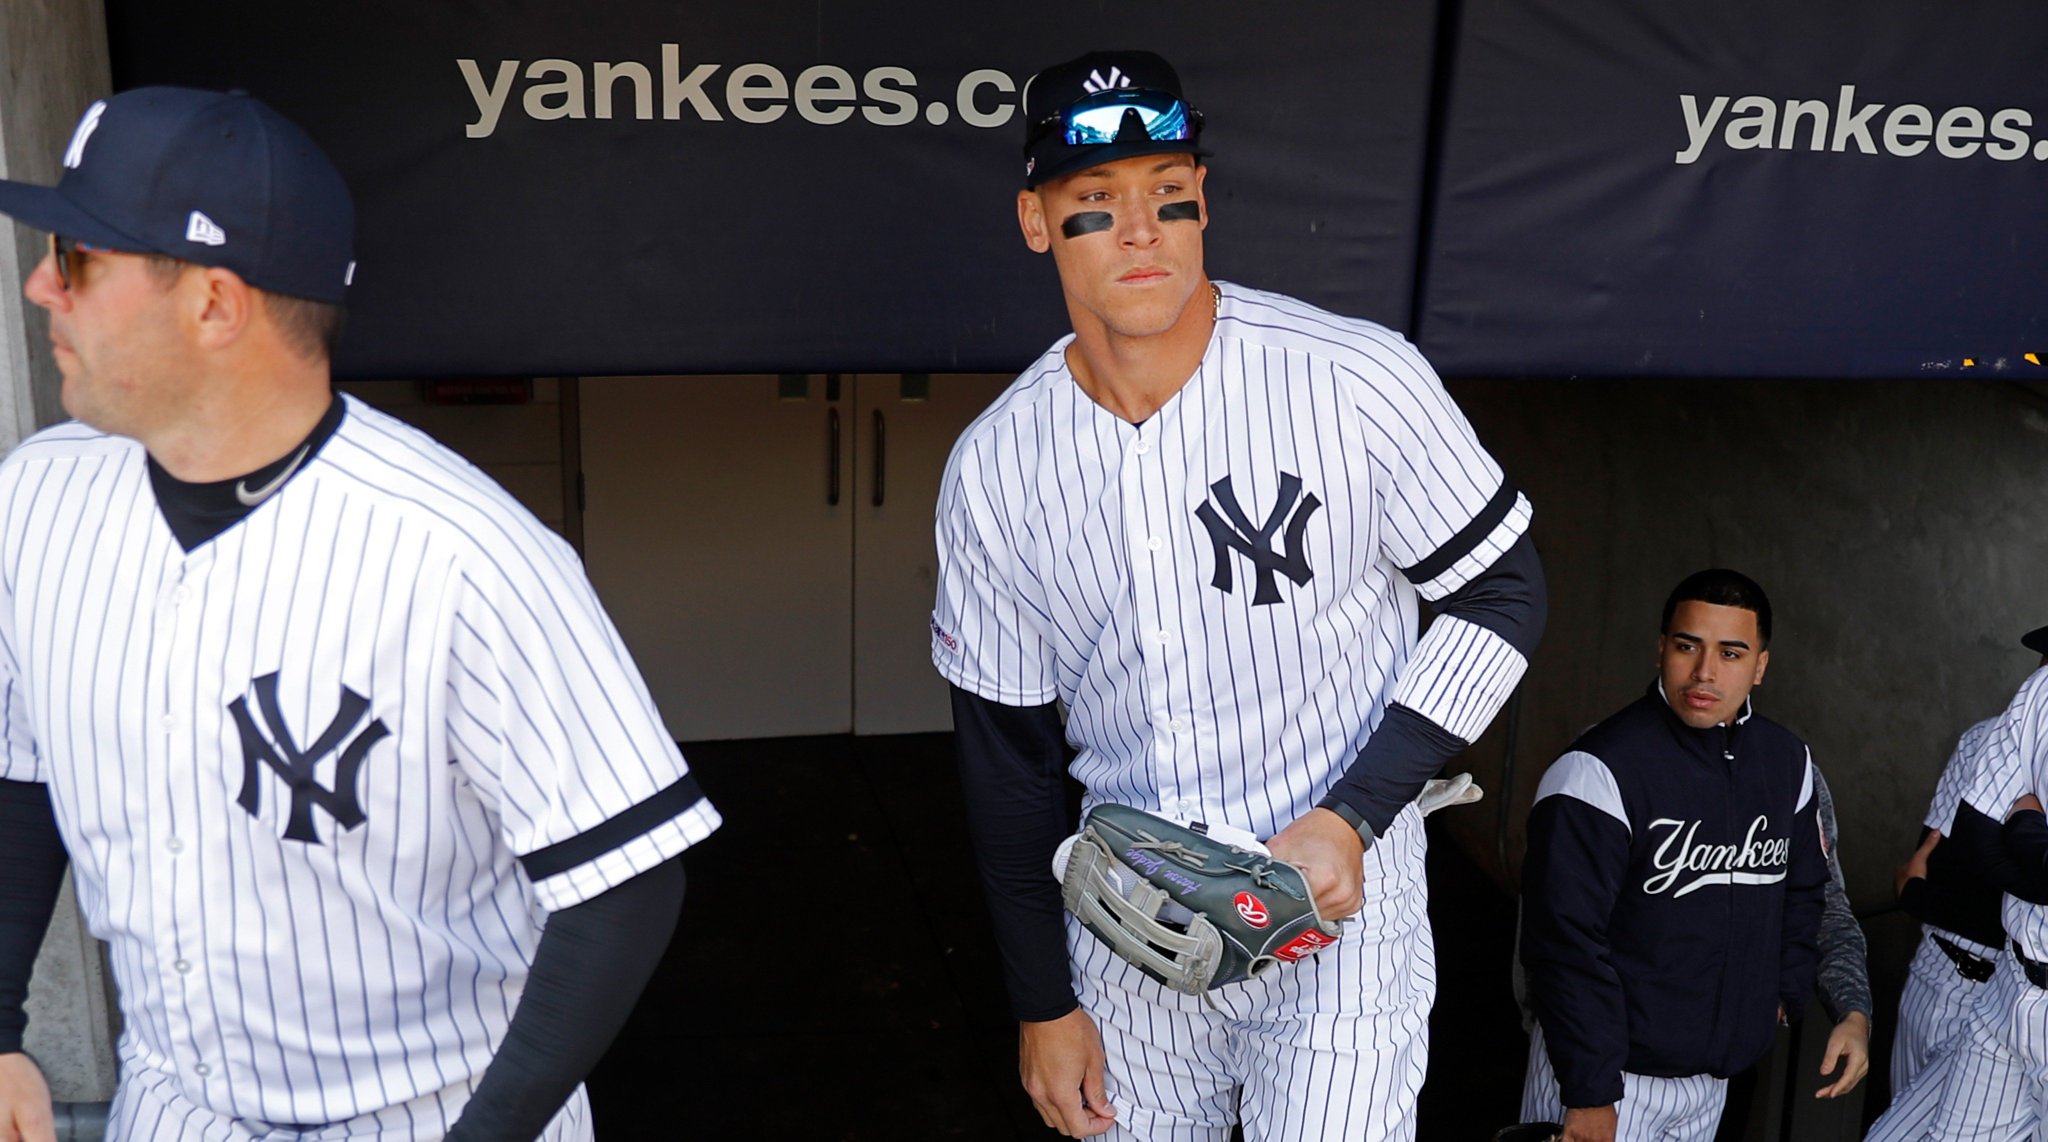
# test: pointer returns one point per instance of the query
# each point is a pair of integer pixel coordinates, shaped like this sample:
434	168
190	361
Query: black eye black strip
1087	222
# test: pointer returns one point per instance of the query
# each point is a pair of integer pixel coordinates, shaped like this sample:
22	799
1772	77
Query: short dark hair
1720	587
313	328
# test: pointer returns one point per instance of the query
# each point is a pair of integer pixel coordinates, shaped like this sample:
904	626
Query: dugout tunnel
1752	286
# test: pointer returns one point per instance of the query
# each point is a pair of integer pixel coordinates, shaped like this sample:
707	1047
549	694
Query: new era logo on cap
199	228
272	207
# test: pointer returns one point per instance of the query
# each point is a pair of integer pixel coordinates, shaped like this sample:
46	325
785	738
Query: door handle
881	455
831	457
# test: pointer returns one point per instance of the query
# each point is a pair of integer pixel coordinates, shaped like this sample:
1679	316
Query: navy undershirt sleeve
589	969
31	872
1955	896
2025	840
1407	749
1509	598
1012	770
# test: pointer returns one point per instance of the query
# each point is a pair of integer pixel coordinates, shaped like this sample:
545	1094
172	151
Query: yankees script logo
282	754
1256	544
1678	855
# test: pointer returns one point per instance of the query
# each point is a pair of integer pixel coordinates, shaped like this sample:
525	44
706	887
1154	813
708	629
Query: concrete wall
53	62
1901	530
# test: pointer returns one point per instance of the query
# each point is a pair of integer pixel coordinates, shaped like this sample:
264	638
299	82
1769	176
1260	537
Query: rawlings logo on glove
1187	909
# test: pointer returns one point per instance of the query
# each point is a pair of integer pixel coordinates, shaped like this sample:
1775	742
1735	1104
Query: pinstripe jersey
1956	776
1225	595
2013	762
322	776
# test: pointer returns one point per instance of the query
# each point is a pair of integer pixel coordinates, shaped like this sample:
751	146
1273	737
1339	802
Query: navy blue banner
786	186
1836	188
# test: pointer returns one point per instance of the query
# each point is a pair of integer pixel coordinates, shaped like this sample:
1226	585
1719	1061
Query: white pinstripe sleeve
1955	776
1459	677
589	786
1447	511
2005	767
19	758
986	637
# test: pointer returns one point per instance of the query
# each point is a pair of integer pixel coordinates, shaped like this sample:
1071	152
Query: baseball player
1990	1079
374	813
1957	905
1673	886
1203	524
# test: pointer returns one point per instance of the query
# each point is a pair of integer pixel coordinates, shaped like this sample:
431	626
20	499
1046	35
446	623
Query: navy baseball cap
1101	107
218	180
2036	640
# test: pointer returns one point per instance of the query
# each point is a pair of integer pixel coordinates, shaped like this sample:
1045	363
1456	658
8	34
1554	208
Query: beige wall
519	445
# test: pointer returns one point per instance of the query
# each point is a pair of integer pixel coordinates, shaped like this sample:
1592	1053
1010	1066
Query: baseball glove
1188	910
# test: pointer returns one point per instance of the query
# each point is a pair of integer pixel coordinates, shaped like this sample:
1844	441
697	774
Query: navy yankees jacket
1671	897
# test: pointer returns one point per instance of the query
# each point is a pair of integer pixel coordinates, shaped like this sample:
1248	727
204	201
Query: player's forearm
1844	953
2025	837
592	963
1998	856
1452	686
32	862
1012	761
1957	897
1844	975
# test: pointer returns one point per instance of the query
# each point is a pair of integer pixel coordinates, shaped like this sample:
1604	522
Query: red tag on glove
1308	943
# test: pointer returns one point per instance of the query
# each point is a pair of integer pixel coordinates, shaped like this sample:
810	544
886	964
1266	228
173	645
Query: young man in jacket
1673	888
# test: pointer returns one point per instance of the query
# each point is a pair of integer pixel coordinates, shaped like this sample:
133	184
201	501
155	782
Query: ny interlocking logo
1256	544
273	745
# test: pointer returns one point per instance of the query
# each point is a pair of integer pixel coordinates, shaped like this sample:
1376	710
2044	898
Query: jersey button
1155	543
1177	726
202	1070
182	967
1143	446
175	845
180	595
169	722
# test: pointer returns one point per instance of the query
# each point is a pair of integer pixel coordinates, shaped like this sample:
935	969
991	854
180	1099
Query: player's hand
2026	801
1330	852
1848	1046
1061	1061
1589	1124
25	1113
1915	867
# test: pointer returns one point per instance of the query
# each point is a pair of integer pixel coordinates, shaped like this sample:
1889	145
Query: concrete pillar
53	62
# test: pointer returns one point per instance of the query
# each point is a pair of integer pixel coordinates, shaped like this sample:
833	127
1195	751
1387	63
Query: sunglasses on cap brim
1102	118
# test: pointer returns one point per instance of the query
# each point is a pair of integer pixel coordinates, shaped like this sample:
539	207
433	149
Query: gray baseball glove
1186	909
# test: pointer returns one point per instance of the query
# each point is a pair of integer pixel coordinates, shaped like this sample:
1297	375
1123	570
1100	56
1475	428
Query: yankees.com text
1761	123
745	93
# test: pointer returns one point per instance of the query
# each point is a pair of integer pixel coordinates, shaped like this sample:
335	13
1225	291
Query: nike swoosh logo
250	497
